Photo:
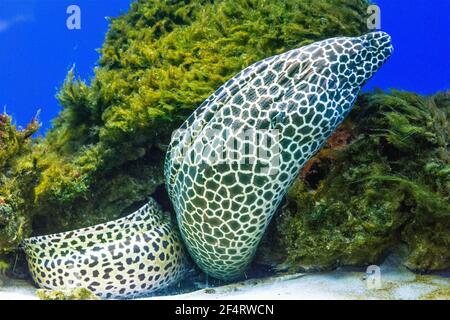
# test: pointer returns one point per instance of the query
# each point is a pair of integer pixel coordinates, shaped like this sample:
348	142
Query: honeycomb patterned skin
297	98
126	258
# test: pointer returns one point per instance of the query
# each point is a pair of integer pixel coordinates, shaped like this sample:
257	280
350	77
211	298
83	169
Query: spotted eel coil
132	256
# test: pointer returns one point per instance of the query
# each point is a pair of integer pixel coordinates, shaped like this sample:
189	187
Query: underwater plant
17	178
384	185
75	294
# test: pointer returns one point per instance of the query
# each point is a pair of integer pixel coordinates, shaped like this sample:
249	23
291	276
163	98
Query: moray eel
223	207
135	255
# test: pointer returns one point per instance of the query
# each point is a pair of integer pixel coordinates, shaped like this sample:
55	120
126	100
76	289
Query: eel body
223	191
135	255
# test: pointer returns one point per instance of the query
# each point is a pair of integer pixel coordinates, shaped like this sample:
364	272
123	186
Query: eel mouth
379	42
377	50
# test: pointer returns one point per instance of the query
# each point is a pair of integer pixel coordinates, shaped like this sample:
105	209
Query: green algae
210	291
75	294
17	177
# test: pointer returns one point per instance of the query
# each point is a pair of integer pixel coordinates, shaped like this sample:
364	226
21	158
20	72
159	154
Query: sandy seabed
395	282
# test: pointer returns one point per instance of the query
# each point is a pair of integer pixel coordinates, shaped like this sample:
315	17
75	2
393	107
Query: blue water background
37	50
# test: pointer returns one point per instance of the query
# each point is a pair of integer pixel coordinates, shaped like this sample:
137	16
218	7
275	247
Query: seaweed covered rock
104	154
382	181
18	175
